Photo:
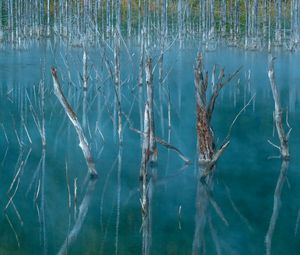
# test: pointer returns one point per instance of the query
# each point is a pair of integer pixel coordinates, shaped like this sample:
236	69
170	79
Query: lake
50	205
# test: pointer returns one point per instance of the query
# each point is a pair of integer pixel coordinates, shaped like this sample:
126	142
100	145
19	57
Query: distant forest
247	20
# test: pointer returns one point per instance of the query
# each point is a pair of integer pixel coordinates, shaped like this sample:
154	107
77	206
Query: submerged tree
284	154
277	115
208	153
73	118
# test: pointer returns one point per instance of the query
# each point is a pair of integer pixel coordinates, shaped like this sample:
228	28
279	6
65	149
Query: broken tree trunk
207	154
83	144
283	137
204	132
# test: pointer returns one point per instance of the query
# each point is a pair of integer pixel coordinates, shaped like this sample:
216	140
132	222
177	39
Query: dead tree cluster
250	24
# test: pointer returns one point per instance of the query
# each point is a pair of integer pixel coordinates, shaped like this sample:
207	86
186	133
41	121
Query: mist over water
244	181
50	203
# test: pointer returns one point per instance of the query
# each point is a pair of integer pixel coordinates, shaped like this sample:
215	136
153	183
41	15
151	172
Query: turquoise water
38	218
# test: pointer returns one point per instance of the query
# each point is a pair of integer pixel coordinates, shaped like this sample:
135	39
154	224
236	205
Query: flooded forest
149	127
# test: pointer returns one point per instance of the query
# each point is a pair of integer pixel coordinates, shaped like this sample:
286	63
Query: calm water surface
105	215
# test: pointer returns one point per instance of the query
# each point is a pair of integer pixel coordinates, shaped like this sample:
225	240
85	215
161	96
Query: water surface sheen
241	203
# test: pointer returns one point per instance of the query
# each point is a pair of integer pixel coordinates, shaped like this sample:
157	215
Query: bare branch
216	90
237	116
172	147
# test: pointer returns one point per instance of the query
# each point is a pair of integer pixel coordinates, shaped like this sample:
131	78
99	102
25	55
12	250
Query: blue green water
244	182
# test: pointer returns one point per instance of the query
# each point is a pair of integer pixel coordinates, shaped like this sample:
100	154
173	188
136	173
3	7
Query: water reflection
83	210
119	190
204	202
276	205
244	167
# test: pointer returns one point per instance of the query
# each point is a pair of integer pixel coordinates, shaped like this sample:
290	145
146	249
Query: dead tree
144	189
85	78
148	163
117	81
150	89
129	18
148	168
207	153
284	151
83	144
283	137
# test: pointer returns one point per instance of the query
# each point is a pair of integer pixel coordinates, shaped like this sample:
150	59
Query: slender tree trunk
180	22
237	20
117	71
150	90
223	17
283	138
265	20
212	18
48	17
108	17
278	32
129	18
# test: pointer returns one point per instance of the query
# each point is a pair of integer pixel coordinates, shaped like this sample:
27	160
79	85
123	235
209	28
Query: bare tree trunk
237	20
265	20
283	138
144	177
129	18
207	154
148	163
117	69
73	118
223	17
278	31
150	90
204	133
248	23
139	19
269	27
142	56
108	17
255	19
180	23
294	22
212	19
